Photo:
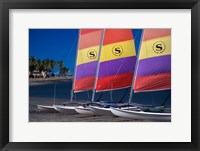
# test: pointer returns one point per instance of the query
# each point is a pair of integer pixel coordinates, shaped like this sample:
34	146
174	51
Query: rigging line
109	79
119	67
120	101
150	83
152	96
166	99
75	97
111	92
117	74
54	101
99	97
88	94
75	39
77	47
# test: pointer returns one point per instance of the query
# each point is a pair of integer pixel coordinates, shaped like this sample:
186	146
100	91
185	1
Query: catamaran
115	68
85	69
152	73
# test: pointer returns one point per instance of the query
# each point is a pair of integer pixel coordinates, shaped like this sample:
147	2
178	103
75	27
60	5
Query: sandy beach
36	116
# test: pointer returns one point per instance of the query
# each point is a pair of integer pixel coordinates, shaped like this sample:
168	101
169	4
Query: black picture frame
5	5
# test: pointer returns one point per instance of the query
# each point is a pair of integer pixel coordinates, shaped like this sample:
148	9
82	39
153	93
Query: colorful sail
87	59
154	61
117	60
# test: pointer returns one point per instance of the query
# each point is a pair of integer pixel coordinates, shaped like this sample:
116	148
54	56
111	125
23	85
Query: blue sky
60	44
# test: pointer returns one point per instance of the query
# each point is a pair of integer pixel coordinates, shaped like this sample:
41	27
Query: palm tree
52	65
60	65
40	65
47	66
32	63
64	71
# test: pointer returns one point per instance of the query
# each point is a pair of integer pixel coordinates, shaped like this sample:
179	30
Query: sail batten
117	60
154	61
106	90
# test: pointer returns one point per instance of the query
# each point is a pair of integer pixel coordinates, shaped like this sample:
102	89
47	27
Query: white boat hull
101	111
84	110
45	108
69	110
105	111
141	115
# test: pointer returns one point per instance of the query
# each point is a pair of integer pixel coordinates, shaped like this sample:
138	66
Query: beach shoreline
41	81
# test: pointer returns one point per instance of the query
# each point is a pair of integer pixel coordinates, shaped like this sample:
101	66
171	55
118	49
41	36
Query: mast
72	92
97	71
131	91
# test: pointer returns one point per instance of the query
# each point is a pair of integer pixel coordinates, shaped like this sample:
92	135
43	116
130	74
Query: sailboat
85	69
116	66
153	73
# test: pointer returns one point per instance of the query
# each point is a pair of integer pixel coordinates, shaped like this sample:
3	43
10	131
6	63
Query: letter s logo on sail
92	54
117	50
159	47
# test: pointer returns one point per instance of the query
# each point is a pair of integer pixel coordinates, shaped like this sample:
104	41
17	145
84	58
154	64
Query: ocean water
63	91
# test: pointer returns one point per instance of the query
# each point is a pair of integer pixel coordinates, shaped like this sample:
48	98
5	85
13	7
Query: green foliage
46	65
63	71
32	64
60	64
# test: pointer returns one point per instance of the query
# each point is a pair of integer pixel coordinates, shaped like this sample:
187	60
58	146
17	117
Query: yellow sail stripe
87	55
155	47
118	50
